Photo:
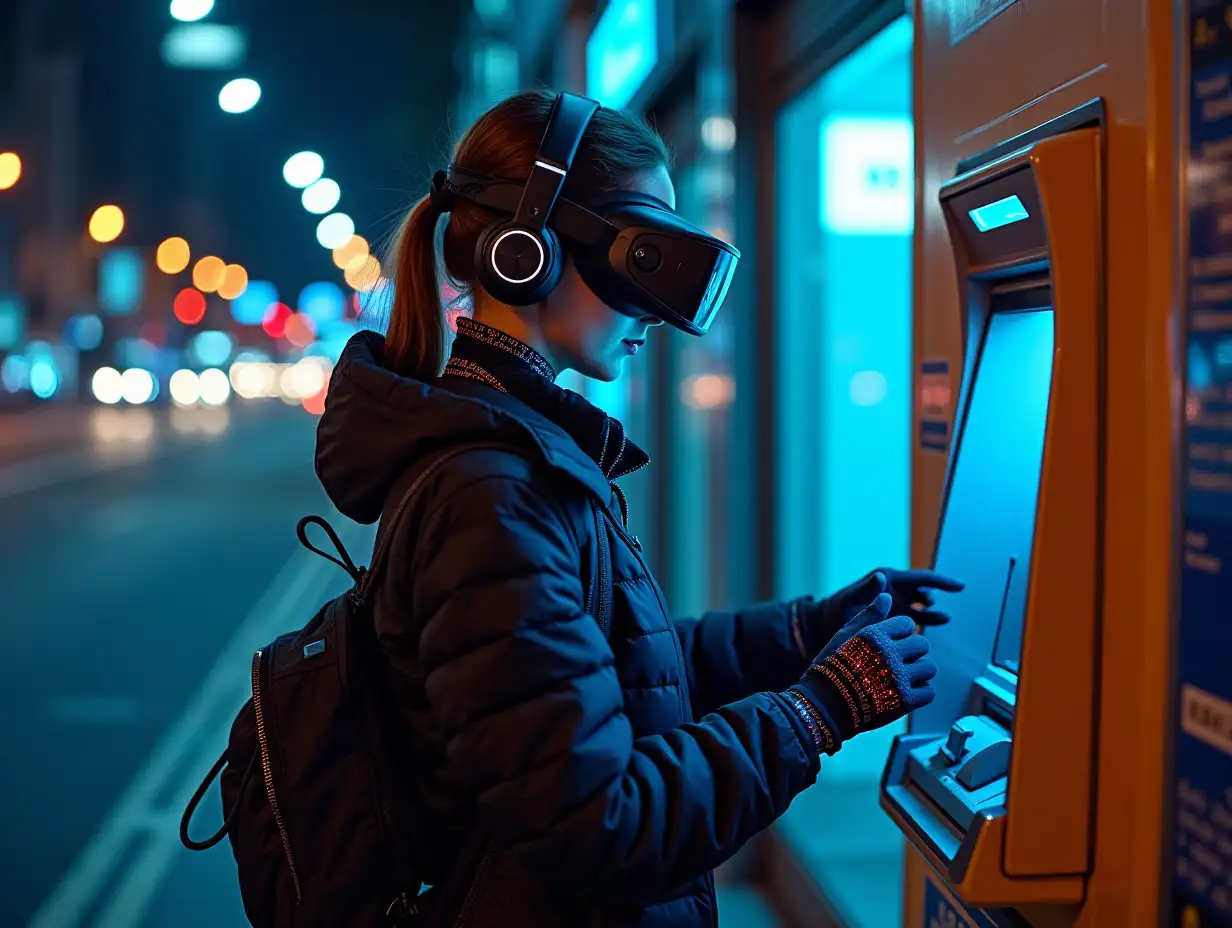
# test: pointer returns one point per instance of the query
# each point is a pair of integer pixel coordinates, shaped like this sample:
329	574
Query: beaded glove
873	672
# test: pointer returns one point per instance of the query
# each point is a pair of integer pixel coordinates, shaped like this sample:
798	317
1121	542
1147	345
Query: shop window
845	209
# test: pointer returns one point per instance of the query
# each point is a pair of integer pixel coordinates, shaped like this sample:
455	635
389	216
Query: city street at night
145	555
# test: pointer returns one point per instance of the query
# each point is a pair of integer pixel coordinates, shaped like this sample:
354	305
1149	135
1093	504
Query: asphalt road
141	561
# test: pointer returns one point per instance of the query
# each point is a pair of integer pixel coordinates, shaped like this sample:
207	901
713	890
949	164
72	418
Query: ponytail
415	339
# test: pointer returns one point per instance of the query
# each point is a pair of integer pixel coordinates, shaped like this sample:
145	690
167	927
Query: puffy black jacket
607	802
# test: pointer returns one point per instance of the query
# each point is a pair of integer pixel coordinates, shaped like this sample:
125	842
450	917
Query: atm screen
989	518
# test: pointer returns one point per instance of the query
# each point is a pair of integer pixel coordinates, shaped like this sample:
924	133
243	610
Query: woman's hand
910	592
873	672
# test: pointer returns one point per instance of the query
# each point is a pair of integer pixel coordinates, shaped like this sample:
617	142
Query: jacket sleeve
525	689
730	655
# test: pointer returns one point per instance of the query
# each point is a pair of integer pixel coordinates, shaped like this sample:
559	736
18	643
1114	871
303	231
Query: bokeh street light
354	250
335	230
321	196
106	224
363	274
173	255
303	168
189	11
232	282
207	273
10	169
239	95
189	306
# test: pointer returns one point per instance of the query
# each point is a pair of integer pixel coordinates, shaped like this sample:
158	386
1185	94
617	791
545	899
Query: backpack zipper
472	895
267	772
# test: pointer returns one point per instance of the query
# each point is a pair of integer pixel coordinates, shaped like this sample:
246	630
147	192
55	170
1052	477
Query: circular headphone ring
495	260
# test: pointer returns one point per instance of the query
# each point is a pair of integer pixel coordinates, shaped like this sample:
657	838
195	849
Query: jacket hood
378	424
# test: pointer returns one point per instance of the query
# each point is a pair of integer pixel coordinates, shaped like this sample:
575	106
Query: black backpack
315	791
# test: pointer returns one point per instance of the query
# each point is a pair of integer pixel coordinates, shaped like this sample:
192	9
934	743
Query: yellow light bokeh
363	274
10	169
173	255
357	247
207	273
107	223
232	282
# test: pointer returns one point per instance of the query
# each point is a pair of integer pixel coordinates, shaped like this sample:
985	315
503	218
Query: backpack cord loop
200	794
346	563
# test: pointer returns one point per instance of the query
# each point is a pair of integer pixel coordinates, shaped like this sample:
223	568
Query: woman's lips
633	344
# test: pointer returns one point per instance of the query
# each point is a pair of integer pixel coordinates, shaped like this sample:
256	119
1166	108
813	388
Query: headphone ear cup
553	265
506	253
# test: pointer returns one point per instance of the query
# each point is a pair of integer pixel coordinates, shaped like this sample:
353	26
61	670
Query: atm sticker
940	912
936	401
1206	717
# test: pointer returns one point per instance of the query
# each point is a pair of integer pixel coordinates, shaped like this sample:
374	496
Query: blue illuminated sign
622	51
1004	212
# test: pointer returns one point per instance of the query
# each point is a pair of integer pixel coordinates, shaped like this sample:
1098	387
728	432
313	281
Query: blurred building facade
780	441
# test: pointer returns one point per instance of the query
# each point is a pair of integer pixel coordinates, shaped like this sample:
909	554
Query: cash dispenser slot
993	781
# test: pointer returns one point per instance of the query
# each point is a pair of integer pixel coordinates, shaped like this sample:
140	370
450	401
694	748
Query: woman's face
583	333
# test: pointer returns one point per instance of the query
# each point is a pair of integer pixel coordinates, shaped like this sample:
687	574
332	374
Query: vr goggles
634	251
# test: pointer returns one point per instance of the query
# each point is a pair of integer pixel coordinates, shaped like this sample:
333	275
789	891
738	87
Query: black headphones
519	261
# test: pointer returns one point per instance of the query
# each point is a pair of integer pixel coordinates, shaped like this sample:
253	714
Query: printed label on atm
1201	789
936	404
942	912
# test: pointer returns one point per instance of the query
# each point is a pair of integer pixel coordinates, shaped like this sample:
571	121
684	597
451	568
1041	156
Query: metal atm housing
992	783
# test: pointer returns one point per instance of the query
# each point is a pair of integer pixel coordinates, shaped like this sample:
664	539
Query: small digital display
1000	213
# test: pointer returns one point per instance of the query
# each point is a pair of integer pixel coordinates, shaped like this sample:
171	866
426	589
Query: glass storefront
845	207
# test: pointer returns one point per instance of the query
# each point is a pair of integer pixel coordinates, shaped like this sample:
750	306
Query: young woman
601	778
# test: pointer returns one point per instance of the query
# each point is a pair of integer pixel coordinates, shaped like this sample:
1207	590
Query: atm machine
993	781
1073	464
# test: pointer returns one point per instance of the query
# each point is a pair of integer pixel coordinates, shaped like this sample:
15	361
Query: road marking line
283	605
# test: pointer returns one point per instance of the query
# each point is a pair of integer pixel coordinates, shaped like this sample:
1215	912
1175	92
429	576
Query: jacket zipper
267	772
637	554
605	557
472	895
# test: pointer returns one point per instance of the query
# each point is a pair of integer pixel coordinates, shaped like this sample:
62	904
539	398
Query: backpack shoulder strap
599	590
390	523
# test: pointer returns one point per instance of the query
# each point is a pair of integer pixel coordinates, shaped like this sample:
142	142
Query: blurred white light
304	378
321	196
253	379
137	386
335	230
107	385
214	386
239	95
184	387
868	388
303	168
189	11
44	378
719	133
15	373
204	45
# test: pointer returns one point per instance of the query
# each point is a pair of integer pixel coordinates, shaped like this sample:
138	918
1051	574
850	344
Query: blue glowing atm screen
989	523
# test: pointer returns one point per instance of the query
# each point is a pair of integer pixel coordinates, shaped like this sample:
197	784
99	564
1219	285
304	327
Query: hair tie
439	194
